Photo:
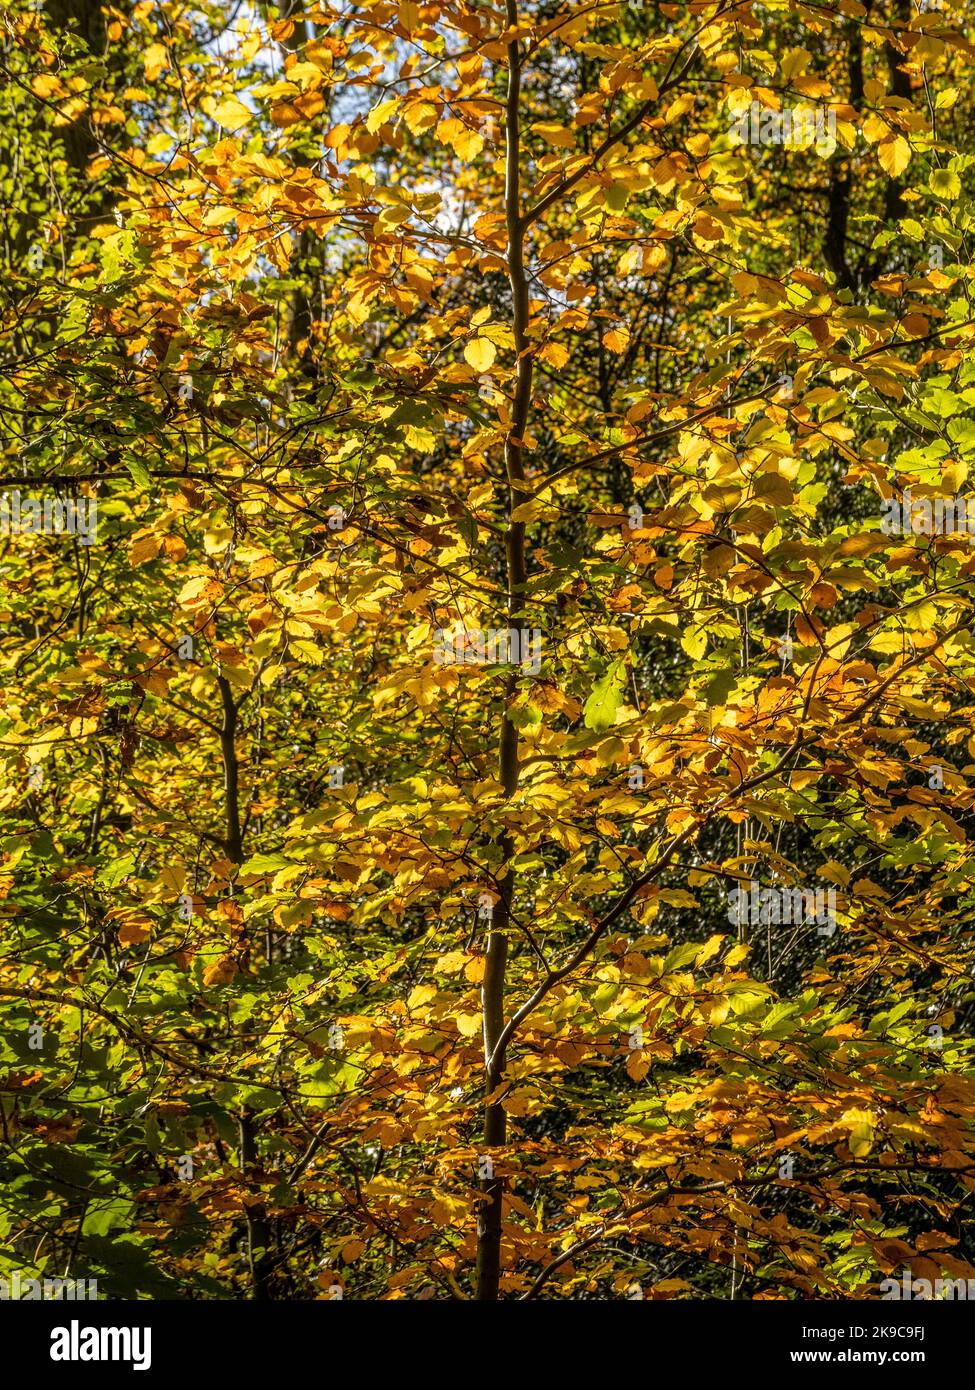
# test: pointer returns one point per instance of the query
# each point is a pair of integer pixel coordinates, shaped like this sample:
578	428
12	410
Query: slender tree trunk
302	317
228	748
88	20
258	1230
495	1121
841	176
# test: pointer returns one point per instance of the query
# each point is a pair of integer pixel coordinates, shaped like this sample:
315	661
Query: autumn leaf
480	353
616	339
231	114
895	155
155	60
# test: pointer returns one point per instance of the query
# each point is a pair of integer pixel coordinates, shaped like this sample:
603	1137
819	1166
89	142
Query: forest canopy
487	717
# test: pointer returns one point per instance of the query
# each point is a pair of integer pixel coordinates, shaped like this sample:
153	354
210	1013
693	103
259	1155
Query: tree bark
492	994
257	1225
258	1232
228	748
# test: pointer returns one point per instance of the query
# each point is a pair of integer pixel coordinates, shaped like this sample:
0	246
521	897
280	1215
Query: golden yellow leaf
154	61
420	116
895	155
480	353
554	134
616	339
554	354
231	114
875	128
380	114
710	948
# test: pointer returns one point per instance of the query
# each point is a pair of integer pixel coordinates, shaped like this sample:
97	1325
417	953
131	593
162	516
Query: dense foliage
346	951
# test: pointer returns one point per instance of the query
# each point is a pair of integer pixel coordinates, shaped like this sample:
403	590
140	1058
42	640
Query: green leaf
599	711
266	864
105	1216
117	871
138	471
